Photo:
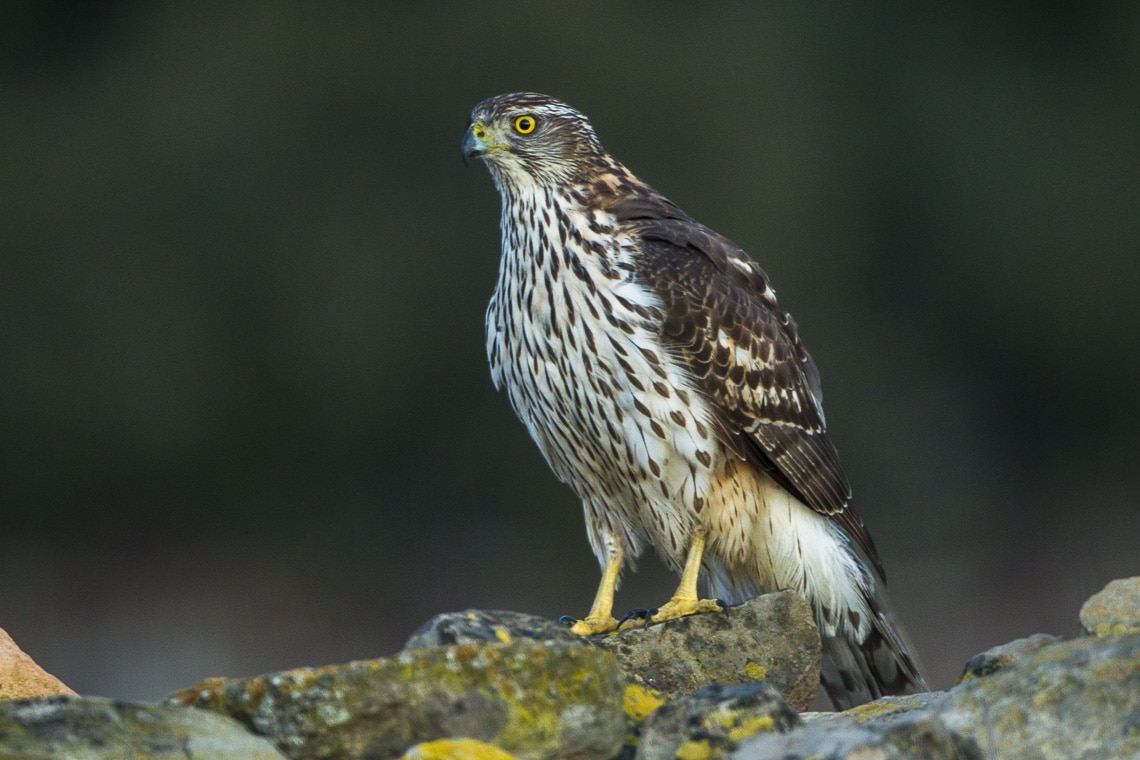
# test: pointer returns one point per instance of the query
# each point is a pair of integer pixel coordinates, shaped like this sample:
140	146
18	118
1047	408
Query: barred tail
881	664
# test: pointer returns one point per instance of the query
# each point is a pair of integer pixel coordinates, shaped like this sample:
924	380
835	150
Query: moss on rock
534	699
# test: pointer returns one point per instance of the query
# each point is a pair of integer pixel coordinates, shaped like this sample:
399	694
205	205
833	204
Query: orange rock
21	677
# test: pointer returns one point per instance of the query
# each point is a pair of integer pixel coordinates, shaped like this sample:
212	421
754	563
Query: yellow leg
601	618
685	600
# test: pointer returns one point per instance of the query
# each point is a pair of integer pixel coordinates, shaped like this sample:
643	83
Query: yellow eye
524	125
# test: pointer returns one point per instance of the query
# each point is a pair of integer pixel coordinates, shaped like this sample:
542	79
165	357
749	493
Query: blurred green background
247	422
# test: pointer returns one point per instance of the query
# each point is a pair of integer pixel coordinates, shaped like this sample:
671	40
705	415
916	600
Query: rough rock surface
1045	700
922	736
1115	609
993	660
90	728
713	721
640	702
770	638
524	687
487	627
533	699
21	677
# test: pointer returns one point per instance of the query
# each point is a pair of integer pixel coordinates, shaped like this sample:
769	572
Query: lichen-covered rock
21	677
993	660
94	728
713	721
533	699
1115	609
640	702
1054	700
487	627
771	638
1067	700
920	735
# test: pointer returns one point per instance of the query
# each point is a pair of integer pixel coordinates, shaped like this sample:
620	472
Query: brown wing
722	320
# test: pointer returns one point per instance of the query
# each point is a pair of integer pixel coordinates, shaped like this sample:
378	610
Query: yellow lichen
864	713
1112	629
965	678
755	671
639	701
694	749
740	728
456	749
534	714
502	636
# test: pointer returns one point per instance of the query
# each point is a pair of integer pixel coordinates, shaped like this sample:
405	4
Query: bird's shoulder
722	315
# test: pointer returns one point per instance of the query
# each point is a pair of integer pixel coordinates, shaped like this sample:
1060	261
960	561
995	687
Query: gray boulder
92	728
1115	609
1039	699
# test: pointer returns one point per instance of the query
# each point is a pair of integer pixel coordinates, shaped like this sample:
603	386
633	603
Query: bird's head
531	139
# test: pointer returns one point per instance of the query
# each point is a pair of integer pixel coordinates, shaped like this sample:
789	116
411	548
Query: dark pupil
524	124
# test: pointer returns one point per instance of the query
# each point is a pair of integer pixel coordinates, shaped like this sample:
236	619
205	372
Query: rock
993	660
771	638
21	677
640	702
1115	609
524	688
533	699
713	721
456	749
487	627
1049	700
918	736
95	728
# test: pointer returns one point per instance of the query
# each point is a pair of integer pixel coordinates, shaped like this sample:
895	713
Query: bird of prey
651	363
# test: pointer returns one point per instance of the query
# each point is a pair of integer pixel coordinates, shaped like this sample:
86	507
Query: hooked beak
473	142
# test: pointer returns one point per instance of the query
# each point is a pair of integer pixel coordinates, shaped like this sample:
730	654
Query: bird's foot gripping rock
682	607
592	625
677	607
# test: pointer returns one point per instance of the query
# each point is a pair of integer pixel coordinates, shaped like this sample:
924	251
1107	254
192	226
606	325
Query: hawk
651	363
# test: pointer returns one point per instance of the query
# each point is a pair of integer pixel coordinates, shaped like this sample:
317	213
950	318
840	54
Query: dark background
247	422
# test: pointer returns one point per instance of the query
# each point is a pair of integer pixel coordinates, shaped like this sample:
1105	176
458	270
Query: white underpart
798	548
649	501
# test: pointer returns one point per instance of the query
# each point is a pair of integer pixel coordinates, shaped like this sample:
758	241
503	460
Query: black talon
637	612
722	604
567	621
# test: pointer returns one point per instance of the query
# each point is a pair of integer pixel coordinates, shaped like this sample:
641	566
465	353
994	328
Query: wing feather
744	352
